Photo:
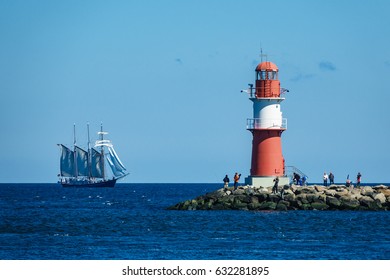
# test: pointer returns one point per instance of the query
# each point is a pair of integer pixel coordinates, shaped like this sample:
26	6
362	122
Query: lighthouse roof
267	65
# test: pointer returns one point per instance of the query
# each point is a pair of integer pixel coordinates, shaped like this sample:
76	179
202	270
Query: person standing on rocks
297	179
236	179
226	182
304	180
348	183
331	178
325	177
275	188
358	179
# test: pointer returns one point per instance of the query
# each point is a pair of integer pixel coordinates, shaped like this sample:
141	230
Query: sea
131	222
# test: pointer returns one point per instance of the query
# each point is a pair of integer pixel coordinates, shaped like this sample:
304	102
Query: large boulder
319	206
289	196
333	202
282	205
320	189
348	203
239	191
356	194
302	198
243	198
267	205
274	197
262	197
226	200
379	197
305	190
329	192
313	197
386	192
369	203
254	206
341	192
367	191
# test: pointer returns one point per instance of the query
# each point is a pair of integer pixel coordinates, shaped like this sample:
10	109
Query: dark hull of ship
102	184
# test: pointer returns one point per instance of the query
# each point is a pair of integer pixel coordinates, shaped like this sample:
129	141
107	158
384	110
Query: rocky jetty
335	197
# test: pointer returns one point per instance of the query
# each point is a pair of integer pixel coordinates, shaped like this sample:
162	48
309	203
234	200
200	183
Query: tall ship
89	168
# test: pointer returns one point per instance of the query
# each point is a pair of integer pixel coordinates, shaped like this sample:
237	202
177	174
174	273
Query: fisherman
325	177
297	179
331	178
304	180
358	179
226	182
348	183
275	188
236	179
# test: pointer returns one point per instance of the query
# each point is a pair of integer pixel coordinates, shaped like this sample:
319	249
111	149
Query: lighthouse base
266	181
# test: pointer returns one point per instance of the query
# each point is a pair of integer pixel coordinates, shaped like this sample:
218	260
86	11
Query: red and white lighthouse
267	126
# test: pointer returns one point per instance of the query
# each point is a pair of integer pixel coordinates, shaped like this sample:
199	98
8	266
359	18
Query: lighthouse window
261	75
272	75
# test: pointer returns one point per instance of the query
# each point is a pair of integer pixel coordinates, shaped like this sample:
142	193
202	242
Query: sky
164	78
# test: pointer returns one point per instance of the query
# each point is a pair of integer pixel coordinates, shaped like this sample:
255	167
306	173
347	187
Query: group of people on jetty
296	180
348	183
236	178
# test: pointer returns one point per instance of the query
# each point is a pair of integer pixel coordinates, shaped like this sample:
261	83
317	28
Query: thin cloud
300	77
327	66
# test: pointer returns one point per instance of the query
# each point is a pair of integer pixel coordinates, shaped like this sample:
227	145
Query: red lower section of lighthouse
267	158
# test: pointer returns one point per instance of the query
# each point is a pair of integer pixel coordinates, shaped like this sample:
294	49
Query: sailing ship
81	168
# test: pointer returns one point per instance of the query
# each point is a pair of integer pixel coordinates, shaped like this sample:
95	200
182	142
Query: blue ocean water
130	221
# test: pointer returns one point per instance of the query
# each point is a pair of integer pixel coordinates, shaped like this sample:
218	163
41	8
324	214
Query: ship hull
102	184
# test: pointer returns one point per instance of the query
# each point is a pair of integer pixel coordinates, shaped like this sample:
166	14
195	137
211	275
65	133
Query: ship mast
89	155
101	133
74	151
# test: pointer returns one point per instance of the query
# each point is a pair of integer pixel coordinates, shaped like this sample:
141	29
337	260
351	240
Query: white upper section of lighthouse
266	99
268	112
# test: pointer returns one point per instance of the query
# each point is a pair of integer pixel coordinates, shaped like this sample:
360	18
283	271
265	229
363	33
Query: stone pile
335	197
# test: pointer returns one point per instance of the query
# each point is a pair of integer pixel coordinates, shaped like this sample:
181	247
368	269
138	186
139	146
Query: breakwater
335	197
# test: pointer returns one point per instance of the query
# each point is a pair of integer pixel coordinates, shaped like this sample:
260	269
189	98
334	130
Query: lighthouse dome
266	66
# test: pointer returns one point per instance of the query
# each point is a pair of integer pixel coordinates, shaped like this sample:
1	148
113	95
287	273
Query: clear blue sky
165	77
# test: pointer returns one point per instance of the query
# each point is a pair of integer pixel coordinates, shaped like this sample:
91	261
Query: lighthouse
266	126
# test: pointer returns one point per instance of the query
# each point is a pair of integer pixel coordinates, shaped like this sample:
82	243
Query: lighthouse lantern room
267	126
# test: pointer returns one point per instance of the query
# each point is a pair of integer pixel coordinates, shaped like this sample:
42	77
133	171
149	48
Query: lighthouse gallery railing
266	123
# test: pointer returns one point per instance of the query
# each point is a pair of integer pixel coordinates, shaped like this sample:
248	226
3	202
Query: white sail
96	164
116	165
82	162
66	162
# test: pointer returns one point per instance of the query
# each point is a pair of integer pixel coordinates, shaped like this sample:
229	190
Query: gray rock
380	197
282	205
319	189
330	192
267	205
333	202
319	206
312	197
302	198
348	203
369	203
305	190
367	191
254	206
